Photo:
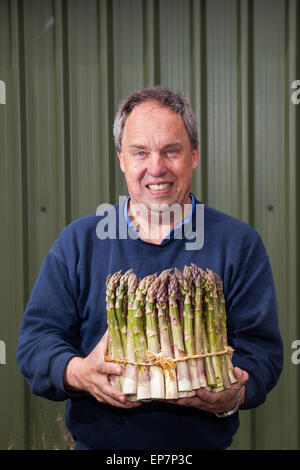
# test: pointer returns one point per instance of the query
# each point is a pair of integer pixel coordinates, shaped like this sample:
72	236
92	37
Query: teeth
159	186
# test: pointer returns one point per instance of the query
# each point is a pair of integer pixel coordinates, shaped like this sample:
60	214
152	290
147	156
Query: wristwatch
234	410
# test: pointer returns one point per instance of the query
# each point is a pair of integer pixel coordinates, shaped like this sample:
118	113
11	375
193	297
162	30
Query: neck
154	226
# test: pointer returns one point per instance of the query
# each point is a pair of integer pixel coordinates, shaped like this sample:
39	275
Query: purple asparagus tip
173	286
162	293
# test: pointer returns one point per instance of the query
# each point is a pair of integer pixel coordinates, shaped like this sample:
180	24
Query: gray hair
165	97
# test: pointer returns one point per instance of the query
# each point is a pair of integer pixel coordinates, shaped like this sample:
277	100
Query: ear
195	158
121	158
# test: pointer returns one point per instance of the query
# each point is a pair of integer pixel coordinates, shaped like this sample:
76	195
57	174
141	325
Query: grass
43	440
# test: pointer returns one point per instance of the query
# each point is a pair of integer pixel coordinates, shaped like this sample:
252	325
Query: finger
106	393
111	391
116	395
182	401
208	397
194	402
109	368
241	375
127	405
104	398
188	401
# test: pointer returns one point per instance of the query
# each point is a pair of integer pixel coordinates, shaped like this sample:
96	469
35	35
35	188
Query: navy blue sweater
66	316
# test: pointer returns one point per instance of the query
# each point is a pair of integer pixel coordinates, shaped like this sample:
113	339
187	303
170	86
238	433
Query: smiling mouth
159	187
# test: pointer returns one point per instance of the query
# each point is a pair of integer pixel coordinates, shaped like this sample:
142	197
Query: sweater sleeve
253	329
50	331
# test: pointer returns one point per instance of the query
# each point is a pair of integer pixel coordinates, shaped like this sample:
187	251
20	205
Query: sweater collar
172	233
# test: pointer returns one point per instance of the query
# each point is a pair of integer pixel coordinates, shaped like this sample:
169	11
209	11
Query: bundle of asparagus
169	332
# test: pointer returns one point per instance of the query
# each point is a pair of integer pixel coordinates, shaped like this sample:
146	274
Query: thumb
241	375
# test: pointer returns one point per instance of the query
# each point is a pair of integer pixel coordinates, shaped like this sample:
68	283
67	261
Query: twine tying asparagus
169	363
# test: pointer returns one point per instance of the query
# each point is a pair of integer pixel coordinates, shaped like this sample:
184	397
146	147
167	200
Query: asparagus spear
180	294
130	370
115	380
188	318
115	341
140	342
183	376
165	277
222	310
213	329
157	382
219	330
204	365
113	326
165	339
120	308
180	303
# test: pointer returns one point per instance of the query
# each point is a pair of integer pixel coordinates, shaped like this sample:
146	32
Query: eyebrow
137	147
167	146
173	144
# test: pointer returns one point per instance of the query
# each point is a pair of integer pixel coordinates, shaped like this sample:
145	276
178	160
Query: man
62	339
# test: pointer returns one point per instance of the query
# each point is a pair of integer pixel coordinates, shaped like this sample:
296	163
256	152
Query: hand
91	374
217	402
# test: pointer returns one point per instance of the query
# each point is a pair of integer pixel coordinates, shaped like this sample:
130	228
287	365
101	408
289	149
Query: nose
156	165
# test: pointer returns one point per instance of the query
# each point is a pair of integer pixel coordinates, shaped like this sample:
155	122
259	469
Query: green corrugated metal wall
66	65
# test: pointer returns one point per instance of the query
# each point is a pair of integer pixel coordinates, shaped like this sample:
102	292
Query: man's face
156	157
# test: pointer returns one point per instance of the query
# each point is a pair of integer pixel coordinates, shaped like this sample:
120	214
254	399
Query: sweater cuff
252	396
57	374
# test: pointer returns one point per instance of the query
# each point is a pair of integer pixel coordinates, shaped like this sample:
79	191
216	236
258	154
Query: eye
171	152
141	153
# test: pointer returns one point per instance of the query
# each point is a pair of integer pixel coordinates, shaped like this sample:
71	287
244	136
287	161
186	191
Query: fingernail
122	398
238	372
